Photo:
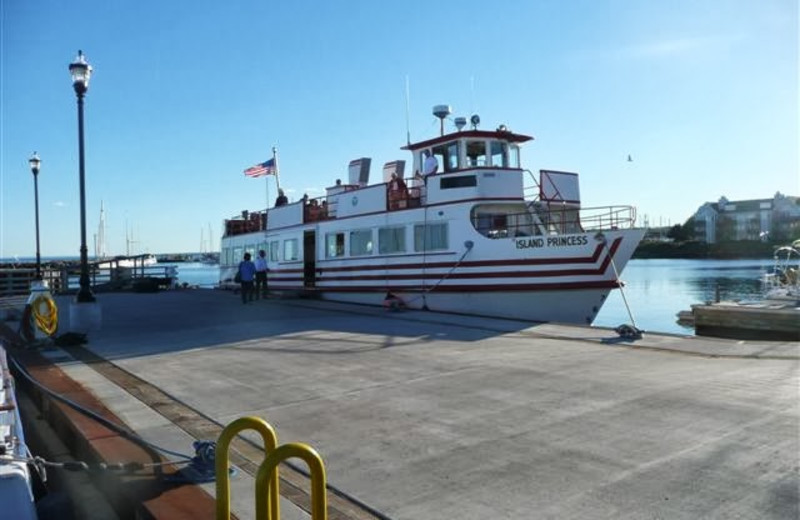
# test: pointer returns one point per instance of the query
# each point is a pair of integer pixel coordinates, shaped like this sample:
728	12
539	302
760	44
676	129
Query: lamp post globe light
35	163
81	71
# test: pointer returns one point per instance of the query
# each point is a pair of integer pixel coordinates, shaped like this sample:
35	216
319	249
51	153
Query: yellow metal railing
268	472
223	460
266	489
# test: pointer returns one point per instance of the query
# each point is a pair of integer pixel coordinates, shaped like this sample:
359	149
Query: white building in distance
776	219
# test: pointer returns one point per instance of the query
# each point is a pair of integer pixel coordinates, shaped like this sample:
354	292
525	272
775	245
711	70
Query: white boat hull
579	306
561	284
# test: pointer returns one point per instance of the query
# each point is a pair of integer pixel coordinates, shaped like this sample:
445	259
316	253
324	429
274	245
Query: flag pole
277	170
266	182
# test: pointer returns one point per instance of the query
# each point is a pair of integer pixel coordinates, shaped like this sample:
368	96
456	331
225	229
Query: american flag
261	169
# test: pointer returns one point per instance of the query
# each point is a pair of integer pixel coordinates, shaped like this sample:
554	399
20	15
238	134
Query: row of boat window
353	243
475	153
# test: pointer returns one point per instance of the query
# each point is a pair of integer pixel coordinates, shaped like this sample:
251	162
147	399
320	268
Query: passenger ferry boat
469	238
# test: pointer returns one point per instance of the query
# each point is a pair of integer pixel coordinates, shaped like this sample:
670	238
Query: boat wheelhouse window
499	151
290	251
225	256
334	245
262	246
430	237
391	240
476	153
462	181
447	155
513	157
238	253
361	242
273	251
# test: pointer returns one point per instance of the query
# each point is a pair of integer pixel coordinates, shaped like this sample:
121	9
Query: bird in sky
630	159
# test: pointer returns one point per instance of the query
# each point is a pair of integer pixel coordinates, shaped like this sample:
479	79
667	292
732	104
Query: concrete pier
419	415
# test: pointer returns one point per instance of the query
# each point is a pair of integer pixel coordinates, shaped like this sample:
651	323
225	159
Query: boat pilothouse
466	230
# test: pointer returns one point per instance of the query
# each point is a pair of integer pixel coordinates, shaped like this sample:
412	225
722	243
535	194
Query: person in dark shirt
247	272
281	200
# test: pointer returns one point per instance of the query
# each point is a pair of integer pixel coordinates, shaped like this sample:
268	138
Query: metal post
36	206
85	292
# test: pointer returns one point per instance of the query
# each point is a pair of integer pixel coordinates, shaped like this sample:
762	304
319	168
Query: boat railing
561	218
246	222
783	281
566	218
408	194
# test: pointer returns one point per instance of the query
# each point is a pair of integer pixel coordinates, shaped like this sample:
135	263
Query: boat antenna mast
441	112
408	122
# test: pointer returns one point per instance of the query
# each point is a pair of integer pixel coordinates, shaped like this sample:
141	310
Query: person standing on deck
261	275
282	200
247	272
430	165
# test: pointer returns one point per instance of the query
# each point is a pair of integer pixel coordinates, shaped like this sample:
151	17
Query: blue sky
186	94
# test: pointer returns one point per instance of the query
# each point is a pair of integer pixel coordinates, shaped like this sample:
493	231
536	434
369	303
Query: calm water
205	276
656	290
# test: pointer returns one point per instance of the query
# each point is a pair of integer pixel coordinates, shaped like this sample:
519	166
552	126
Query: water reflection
658	289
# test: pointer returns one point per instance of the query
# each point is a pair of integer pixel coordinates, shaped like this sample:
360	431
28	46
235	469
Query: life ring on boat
44	312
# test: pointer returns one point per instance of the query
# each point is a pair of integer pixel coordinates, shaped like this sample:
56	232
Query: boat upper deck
472	165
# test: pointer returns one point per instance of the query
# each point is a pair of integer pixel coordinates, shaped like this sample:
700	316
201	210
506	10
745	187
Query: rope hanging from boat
625	331
468	245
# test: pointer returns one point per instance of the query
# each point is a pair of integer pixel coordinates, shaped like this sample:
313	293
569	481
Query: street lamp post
81	71
35	162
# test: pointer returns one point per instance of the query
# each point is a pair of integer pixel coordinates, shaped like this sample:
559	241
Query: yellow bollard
223	460
268	471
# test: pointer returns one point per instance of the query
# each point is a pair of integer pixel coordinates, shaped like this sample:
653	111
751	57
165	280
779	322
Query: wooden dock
764	320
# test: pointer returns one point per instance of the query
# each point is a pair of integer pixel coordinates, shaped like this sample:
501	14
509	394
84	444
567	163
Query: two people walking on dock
253	277
247	273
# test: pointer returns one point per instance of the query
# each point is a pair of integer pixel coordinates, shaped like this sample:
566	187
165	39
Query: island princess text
556	241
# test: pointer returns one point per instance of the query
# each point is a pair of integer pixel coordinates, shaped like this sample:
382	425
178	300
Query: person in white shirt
261	274
430	165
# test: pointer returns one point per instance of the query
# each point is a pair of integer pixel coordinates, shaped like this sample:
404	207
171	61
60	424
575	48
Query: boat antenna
472	93
408	123
442	111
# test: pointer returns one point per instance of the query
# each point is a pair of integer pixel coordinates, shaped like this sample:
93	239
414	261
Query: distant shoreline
739	250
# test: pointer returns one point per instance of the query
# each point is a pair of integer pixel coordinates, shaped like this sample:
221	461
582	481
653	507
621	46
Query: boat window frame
274	250
448	155
423	240
503	154
369	244
394	230
336	249
290	245
480	160
514	156
502	223
459	181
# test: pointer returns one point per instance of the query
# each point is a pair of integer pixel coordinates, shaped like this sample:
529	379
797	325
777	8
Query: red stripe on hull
561	286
